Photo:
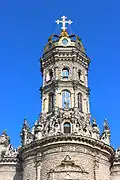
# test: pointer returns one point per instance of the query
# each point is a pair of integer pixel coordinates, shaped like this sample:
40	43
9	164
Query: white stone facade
65	143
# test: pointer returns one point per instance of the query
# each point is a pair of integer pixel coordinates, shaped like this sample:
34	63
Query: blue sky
24	29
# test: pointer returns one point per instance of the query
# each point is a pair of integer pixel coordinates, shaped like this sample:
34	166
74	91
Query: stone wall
10	171
115	171
29	169
82	156
49	162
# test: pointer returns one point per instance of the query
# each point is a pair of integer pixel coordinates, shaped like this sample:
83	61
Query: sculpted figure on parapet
54	125
117	154
51	127
26	134
95	130
7	148
4	138
78	127
105	136
10	152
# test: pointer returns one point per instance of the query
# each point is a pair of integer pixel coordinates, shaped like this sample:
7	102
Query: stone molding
30	149
67	168
9	160
58	54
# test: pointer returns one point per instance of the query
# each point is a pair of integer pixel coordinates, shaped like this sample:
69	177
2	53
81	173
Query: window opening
67	128
80	101
65	99
51	74
51	102
65	73
79	74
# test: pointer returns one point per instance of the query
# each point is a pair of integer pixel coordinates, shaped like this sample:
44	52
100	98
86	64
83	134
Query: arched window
51	102
65	72
49	75
79	74
67	128
80	101
65	99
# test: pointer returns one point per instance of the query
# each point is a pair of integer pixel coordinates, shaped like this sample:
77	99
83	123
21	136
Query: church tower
64	144
65	91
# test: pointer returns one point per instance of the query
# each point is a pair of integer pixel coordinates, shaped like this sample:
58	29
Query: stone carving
105	136
6	149
117	155
10	152
53	125
4	138
95	130
26	135
68	170
77	127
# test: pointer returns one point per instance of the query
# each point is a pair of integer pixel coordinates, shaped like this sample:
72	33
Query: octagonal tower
65	83
63	143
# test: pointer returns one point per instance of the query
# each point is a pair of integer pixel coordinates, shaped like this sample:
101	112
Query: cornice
77	84
72	83
50	85
69	49
10	160
47	142
74	54
117	161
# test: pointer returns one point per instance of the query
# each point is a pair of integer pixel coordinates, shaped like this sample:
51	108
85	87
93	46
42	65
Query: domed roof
64	39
